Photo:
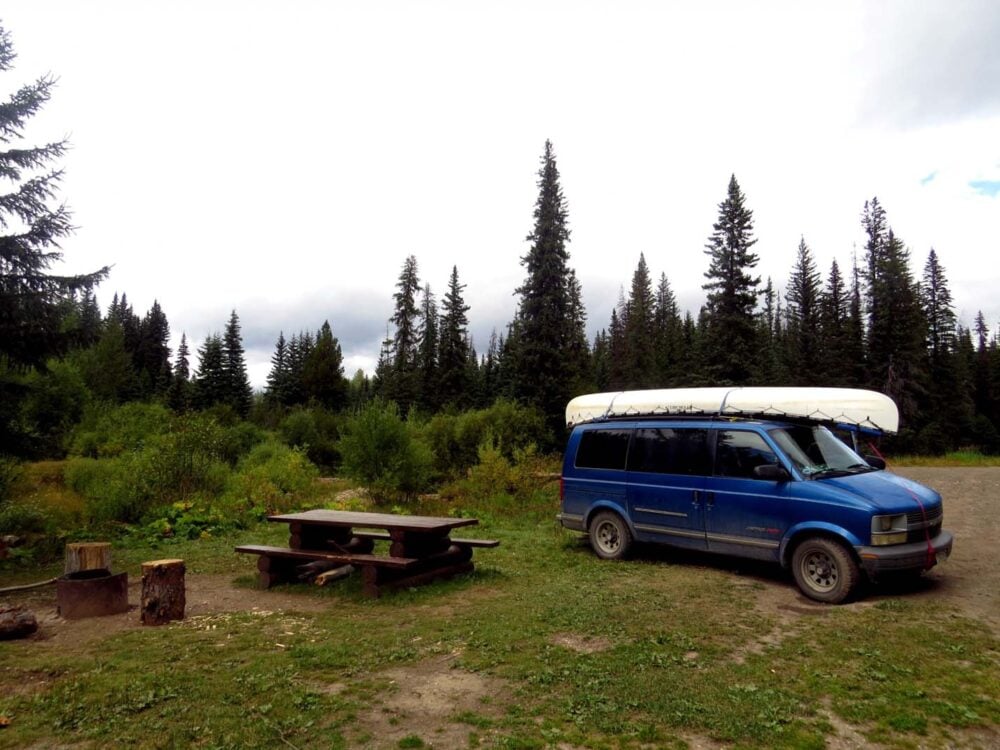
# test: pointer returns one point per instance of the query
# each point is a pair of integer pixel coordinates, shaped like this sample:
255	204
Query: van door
667	471
745	515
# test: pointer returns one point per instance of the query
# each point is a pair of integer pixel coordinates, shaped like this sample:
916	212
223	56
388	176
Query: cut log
16	622
88	556
334	575
162	591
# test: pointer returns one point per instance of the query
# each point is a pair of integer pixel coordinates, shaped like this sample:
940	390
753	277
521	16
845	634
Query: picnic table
420	548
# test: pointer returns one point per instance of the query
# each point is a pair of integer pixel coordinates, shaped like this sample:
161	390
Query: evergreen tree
856	363
667	336
427	353
179	392
90	319
896	325
402	385
731	334
238	393
491	369
802	312
453	354
107	367
299	349
152	356
211	381
640	355
774	348
833	318
545	368
32	300
617	345
936	300
277	388
323	371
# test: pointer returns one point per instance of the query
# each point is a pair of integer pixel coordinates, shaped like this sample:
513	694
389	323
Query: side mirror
774	472
875	462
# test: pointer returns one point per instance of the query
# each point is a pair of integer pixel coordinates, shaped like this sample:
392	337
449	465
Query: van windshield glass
817	452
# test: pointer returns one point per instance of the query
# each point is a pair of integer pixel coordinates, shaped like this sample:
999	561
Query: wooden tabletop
352	518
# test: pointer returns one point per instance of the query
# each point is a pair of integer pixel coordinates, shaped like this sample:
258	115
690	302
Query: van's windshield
817	452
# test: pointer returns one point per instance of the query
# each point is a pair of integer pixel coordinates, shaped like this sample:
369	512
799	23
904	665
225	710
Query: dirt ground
969	581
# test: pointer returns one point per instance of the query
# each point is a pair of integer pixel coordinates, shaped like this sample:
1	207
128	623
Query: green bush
315	430
23	518
273	478
107	432
10	473
518	478
385	453
455	438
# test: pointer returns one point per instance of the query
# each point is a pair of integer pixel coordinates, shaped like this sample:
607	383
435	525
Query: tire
825	570
610	536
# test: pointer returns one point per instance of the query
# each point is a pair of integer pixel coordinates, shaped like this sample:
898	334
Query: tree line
874	324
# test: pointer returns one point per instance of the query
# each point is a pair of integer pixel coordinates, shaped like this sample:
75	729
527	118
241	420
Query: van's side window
665	450
738	453
603	449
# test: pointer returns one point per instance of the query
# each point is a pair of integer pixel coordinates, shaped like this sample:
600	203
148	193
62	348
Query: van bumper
572	521
915	556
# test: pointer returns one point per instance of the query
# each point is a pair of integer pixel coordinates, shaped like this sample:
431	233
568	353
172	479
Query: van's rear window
603	449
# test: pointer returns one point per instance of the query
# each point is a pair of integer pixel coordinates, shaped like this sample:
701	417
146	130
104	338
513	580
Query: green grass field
554	648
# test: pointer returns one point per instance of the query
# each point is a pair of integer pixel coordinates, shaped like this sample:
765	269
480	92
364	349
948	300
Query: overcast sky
283	158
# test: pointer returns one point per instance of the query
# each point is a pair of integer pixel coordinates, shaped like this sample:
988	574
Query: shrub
273	478
10	473
316	431
385	453
108	432
495	475
456	438
23	518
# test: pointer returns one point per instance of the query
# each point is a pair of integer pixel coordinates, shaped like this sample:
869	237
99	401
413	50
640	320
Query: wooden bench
279	565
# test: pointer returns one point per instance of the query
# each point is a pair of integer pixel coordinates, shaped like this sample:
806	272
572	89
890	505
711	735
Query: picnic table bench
421	548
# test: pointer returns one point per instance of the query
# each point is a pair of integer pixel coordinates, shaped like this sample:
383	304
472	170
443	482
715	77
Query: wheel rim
609	539
820	571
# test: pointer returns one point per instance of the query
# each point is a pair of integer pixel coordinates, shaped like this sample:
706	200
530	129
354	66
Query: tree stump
162	591
88	556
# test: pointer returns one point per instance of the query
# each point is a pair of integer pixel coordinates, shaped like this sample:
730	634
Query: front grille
921	535
918	519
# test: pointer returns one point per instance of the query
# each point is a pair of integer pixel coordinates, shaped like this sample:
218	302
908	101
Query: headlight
889	529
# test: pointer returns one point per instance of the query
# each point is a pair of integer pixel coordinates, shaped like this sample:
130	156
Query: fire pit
92	593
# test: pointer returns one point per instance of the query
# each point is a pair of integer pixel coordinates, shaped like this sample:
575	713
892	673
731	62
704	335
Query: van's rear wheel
825	570
609	536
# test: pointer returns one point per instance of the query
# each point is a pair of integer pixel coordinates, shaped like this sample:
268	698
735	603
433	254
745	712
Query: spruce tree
323	371
211	384
833	321
453	353
730	345
403	385
546	368
802	313
32	300
667	340
429	397
238	392
277	386
640	362
179	392
152	356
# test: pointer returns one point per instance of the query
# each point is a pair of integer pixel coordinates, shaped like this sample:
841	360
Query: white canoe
851	407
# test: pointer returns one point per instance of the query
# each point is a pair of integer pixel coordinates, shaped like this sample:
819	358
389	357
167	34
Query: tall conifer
730	345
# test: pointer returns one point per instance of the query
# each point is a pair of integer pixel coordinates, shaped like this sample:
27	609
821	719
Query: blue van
787	490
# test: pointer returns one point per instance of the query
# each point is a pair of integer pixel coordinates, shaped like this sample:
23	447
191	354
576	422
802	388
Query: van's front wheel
609	536
825	570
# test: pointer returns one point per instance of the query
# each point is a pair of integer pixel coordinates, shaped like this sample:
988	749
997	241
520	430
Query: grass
679	651
955	458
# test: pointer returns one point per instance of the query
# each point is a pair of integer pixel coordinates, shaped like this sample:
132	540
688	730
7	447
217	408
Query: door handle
710	499
695	497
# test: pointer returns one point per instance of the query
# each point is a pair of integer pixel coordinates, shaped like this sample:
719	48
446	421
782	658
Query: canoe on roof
847	407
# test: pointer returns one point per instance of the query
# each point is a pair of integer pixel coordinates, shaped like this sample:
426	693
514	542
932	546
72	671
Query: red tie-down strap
931	556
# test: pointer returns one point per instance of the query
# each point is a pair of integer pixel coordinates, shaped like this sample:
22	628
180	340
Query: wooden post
162	591
88	556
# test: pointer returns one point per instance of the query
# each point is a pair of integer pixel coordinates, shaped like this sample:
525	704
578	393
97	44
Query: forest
149	426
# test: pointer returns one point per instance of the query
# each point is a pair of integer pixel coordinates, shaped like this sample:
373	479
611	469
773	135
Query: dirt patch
580	643
423	701
206	595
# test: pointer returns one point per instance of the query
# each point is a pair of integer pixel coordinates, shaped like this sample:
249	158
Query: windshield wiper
829	473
